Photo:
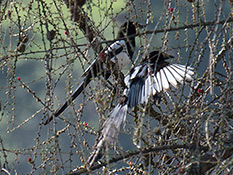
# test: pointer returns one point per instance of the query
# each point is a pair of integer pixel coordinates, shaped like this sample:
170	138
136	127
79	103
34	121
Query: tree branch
208	160
91	38
190	26
133	153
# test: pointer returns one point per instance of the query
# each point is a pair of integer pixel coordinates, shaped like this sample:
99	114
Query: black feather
134	93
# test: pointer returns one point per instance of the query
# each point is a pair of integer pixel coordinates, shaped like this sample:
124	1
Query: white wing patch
159	82
121	58
181	72
176	75
186	72
170	77
164	80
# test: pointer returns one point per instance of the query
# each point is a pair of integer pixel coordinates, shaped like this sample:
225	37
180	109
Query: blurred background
44	52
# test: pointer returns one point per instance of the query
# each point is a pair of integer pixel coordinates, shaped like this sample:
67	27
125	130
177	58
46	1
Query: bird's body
119	48
119	53
154	75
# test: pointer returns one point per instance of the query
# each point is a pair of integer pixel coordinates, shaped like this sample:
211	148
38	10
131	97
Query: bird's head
127	29
127	32
158	55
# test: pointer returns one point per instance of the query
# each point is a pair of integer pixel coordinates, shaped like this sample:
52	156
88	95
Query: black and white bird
120	52
154	75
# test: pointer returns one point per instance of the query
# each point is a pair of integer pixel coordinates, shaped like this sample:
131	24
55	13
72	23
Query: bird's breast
118	53
122	59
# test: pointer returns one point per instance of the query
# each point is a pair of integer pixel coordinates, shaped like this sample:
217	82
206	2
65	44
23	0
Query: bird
153	75
110	131
119	52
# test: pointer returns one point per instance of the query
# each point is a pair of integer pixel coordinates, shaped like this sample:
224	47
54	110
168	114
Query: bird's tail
76	93
109	133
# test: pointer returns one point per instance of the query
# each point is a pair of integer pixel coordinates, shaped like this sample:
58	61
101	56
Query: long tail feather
76	93
109	133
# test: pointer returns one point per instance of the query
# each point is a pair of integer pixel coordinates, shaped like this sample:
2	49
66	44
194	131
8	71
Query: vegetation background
45	47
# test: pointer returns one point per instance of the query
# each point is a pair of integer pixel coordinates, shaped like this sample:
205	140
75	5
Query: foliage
45	47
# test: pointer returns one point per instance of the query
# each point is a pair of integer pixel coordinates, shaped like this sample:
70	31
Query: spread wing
150	79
